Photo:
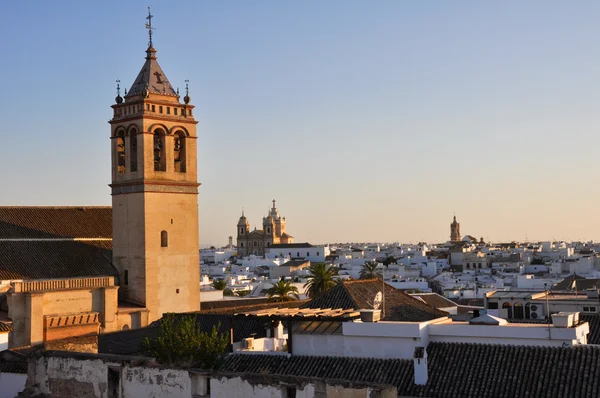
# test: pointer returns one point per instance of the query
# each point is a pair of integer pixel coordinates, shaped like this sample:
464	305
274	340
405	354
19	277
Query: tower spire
149	26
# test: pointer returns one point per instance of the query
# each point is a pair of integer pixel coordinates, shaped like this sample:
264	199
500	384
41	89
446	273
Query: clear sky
366	120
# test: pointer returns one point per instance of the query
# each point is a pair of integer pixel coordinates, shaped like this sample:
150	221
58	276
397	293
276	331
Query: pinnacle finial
273	203
149	26
118	99
187	98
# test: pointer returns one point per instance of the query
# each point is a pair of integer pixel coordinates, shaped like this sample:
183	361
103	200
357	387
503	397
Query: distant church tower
455	231
155	194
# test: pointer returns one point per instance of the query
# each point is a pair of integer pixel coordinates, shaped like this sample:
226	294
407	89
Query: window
242	244
133	149
268	230
164	239
317	253
175	111
126	277
586	309
177	291
179	152
160	163
307	254
288	392
241	231
121	168
298	254
153	108
160	109
492	306
592	309
147	107
168	110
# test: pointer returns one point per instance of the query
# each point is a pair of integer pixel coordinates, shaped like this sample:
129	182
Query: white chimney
420	364
278	330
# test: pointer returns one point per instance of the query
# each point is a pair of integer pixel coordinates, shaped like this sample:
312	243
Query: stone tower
155	194
455	231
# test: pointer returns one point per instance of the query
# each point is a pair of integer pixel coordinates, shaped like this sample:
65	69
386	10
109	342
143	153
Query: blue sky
365	120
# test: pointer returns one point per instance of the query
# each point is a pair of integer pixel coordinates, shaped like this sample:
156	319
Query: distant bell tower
455	231
155	193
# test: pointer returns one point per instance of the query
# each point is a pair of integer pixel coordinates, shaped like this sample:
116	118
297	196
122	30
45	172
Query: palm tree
321	279
369	271
219	284
283	291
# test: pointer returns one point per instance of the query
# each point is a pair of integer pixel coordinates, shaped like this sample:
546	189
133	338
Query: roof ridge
55	207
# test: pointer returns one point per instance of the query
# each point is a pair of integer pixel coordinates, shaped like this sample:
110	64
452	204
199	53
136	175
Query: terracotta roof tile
455	370
360	294
55	259
55	222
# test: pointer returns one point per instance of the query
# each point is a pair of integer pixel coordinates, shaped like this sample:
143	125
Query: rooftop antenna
149	26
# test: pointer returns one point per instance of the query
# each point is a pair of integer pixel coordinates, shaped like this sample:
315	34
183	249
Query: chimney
420	364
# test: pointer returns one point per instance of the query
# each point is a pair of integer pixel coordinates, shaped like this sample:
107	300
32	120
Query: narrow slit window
164	239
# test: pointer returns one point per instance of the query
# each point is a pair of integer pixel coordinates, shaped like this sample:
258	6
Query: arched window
518	311
268	230
508	307
164	239
242	244
160	163
121	168
133	149
179	152
242	231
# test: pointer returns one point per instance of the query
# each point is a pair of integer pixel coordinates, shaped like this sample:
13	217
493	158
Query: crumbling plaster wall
155	382
238	387
70	377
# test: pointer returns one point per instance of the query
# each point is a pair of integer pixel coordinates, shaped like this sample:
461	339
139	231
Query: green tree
321	279
369	270
282	291
219	284
181	343
389	260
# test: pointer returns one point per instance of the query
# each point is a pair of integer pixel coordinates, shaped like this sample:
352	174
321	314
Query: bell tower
155	193
455	231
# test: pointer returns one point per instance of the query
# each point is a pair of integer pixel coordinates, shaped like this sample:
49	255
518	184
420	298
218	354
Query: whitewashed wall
11	384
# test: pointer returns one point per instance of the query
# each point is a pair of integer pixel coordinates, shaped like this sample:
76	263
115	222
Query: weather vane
118	87
149	26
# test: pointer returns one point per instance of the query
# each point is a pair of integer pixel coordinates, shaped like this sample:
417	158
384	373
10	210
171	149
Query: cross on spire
149	26
273	203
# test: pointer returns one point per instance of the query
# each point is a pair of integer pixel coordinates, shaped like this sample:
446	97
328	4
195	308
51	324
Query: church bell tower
155	193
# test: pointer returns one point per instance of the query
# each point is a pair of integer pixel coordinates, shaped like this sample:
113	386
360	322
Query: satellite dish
377	300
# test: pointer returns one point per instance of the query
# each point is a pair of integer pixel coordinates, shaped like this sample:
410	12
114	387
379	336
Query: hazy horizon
367	122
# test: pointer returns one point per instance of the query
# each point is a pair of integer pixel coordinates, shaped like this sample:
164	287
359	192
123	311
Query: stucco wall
11	384
4	341
154	382
237	387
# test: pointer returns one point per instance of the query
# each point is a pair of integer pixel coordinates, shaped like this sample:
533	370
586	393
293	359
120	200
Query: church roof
55	242
151	77
42	222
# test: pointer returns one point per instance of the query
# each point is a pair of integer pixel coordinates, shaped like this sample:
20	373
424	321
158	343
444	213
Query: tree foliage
219	284
389	260
321	279
369	271
282	291
181	343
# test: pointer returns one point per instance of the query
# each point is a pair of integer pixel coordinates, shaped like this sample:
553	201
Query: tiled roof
566	283
454	369
13	367
151	77
55	259
360	294
435	300
20	222
391	372
5	327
